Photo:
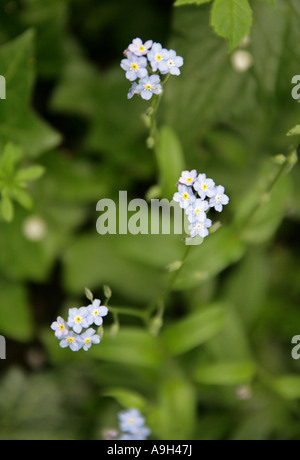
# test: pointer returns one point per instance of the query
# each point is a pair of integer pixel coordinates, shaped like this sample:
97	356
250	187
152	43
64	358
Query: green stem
160	300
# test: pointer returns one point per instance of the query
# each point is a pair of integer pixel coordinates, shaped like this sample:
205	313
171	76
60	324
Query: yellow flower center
148	86
70	339
189	179
158	57
78	319
204	186
197	210
87	340
131	421
185	196
61	327
95	312
134	66
142	48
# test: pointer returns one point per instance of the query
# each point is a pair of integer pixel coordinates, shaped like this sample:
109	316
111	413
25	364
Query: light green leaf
194	329
288	386
294	131
233	373
10	156
132	346
170	161
30	173
18	123
23	198
7	208
190	2
231	19
175	416
16	321
127	398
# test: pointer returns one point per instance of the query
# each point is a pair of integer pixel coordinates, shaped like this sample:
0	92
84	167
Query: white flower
188	177
200	228
73	341
219	199
95	313
88	338
60	327
196	211
205	187
78	319
139	48
184	196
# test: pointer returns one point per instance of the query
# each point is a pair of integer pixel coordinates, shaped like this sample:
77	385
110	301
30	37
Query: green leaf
170	161
30	173
294	131
175	415
23	198
7	208
132	346
127	398
18	123
288	386
225	373
190	2
16	321
231	19
10	156
194	329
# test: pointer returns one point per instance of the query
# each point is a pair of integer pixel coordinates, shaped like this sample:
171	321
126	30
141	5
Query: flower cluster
132	426
196	195
76	333
144	62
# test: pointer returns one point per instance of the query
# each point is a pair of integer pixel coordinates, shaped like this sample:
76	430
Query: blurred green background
221	365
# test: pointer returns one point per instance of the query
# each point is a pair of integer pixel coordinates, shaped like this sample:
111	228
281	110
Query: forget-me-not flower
131	420
88	338
139	48
188	177
78	319
196	211
200	228
60	327
95	313
205	187
148	86
219	199
72	341
135	67
184	196
157	57
173	62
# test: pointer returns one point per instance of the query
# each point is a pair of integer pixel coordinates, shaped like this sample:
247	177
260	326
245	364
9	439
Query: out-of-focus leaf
16	320
232	19
194	329
18	123
190	2
7	208
217	252
288	386
127	398
231	373
30	173
170	161
174	418
131	345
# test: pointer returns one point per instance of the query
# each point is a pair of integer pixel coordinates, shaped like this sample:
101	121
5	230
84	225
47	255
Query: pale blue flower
88	338
205	187
60	327
158	58
173	62
196	211
188	177
184	196
131	420
139	48
133	90
219	199
148	86
200	228
95	313
78	319
135	67
73	341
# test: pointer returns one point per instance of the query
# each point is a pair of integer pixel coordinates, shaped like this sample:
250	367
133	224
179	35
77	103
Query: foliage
200	344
